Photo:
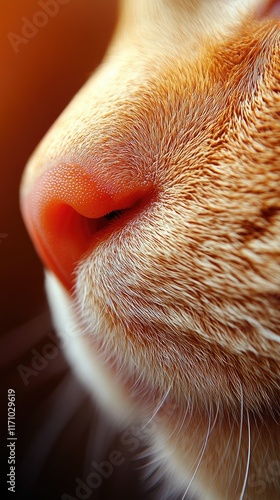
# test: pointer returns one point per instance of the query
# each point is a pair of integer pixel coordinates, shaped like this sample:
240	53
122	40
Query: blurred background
40	74
48	49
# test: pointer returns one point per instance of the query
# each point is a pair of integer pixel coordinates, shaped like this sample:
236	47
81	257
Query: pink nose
69	210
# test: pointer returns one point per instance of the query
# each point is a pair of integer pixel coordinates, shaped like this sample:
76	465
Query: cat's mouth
68	213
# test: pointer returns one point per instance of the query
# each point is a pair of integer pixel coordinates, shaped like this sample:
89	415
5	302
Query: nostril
113	215
65	236
68	211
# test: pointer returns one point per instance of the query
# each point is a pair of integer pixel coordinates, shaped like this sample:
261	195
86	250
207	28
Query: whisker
240	433
157	408
224	455
201	455
248	458
215	418
184	417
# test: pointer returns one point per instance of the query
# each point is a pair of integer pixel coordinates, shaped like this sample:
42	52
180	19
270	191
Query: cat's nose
68	210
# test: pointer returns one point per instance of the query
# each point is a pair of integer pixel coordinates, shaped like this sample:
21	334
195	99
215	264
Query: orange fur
182	299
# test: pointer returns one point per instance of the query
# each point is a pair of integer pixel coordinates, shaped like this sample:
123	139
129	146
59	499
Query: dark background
58	428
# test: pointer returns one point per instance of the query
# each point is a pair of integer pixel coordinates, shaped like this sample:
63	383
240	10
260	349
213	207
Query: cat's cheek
81	353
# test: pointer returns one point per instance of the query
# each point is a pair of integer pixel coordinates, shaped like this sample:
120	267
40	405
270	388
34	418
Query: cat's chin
179	435
116	388
85	362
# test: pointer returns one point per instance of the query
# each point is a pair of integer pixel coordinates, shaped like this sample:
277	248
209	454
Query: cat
154	203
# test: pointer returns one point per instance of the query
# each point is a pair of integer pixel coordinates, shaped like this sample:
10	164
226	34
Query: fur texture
180	296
